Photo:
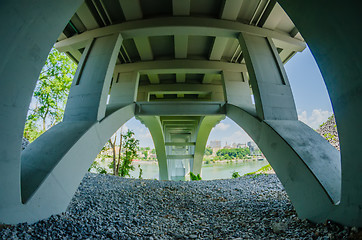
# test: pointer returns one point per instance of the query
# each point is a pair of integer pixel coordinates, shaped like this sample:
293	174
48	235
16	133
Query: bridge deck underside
179	67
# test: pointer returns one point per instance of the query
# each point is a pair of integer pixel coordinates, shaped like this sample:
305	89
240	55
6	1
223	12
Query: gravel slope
108	207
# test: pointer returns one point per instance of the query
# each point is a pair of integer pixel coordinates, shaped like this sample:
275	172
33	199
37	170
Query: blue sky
310	94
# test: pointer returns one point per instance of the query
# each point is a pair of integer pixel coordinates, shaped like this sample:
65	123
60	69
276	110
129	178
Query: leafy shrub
194	177
235	175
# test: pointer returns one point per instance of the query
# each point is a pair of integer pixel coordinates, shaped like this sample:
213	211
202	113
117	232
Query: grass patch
260	171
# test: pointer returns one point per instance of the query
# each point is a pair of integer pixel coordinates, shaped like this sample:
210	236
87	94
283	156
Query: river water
209	171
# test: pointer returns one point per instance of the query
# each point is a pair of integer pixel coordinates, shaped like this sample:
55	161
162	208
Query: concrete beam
179	108
181	156
181	8
272	93
230	11
181	46
180	143
131	9
88	95
216	91
86	17
180	77
183	26
180	66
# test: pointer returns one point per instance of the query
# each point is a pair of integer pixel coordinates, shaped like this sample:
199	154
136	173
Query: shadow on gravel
109	207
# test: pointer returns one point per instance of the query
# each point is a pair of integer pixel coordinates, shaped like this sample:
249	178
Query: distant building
252	147
241	145
215	144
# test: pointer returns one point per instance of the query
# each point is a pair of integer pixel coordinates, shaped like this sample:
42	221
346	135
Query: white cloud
124	128
222	126
317	117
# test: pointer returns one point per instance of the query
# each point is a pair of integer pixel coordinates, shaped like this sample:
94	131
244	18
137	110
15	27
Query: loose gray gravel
108	207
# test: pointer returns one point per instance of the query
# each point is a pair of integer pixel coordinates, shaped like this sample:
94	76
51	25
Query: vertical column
88	96
153	123
205	126
124	89
338	54
28	30
272	93
237	90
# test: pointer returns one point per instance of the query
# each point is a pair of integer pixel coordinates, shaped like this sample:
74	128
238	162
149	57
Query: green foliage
141	172
194	177
208	151
235	175
95	165
262	170
146	154
50	94
234	153
329	136
129	146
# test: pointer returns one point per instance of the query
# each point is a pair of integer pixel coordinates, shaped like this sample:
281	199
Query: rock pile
108	207
328	130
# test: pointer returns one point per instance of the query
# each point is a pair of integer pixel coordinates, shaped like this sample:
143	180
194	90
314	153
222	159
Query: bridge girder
321	183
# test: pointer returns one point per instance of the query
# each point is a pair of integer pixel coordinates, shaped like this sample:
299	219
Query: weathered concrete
335	44
321	184
28	31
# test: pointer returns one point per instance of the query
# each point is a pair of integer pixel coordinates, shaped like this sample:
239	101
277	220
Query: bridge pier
167	55
180	142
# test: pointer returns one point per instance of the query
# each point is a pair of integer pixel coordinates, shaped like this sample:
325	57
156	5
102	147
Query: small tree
208	151
129	146
50	94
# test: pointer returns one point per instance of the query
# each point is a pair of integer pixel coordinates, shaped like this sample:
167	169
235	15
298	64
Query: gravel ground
108	207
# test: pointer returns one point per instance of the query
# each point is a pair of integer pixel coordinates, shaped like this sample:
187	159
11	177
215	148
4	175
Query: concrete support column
54	164
306	164
88	95
338	53
205	126
272	93
28	30
153	124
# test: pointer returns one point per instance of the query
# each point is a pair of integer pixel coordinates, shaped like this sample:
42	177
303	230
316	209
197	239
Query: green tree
129	147
146	154
50	94
234	153
208	151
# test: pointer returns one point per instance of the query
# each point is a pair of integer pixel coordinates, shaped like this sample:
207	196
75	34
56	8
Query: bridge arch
36	26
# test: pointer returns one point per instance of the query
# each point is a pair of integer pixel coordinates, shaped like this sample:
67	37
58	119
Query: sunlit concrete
180	75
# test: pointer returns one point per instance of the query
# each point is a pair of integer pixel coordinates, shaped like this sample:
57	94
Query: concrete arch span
54	164
306	164
334	42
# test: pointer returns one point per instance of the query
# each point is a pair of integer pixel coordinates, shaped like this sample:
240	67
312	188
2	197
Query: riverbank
109	207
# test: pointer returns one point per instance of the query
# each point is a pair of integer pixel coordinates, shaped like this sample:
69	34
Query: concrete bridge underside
180	67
